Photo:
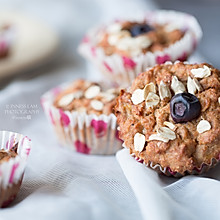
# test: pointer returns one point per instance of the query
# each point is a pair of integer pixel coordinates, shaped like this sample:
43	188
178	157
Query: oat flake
201	72
137	96
97	105
203	126
152	100
92	92
177	86
139	142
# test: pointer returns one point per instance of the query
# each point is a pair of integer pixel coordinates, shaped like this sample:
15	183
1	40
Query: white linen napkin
166	198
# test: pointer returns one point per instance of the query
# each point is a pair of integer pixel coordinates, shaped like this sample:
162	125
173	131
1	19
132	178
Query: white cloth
59	184
161	197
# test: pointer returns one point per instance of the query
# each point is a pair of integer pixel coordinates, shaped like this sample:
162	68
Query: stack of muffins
167	113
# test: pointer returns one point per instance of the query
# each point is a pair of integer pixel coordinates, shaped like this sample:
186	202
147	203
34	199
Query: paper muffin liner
81	132
12	171
121	69
168	172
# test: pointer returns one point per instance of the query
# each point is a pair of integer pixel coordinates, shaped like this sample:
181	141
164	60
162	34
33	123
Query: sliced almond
167	133
92	92
137	96
149	88
152	100
203	126
97	105
158	137
164	91
191	87
139	142
218	100
201	72
177	86
170	125
67	99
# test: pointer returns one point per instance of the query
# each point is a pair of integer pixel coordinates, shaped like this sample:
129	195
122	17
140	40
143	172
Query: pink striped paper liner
12	171
81	132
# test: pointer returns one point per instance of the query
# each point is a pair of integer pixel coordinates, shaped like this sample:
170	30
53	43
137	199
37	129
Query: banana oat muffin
81	114
170	117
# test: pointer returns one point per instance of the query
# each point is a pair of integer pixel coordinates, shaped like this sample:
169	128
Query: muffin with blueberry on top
124	48
170	117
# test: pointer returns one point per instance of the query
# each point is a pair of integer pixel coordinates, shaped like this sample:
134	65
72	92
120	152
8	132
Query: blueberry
138	29
184	107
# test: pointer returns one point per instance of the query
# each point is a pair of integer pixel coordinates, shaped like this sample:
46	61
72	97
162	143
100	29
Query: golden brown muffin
171	116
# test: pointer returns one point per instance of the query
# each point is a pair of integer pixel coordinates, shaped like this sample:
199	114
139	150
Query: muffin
15	149
169	119
124	48
82	116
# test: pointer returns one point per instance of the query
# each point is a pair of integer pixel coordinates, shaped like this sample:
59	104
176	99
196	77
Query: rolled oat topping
201	72
203	126
87	97
139	142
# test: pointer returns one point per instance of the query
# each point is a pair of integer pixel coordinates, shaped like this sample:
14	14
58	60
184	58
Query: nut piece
201	72
177	86
137	96
164	91
139	142
158	137
203	126
218	100
92	92
97	105
152	100
170	125
67	99
167	133
149	88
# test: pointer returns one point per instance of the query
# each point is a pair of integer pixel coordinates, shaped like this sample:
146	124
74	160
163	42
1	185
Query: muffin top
170	116
132	38
88	97
6	155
